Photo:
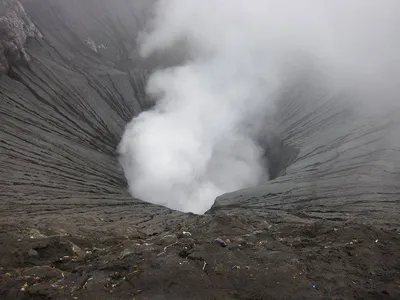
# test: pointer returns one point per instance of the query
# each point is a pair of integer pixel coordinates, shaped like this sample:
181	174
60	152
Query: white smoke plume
200	140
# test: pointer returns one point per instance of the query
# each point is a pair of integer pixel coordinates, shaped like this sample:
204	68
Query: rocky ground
104	255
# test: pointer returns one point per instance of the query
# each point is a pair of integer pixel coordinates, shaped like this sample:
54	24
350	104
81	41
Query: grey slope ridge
347	166
64	106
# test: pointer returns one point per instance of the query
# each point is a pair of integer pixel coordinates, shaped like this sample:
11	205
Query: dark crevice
278	156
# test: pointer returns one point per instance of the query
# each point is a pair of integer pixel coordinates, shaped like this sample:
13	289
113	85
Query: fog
201	138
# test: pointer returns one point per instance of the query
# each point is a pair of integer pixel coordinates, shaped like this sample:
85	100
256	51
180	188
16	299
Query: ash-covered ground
325	226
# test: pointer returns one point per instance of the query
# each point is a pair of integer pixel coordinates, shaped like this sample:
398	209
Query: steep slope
348	160
64	107
63	113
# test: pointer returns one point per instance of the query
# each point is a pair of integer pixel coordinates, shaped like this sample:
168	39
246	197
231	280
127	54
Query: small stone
220	241
24	287
219	269
236	268
33	252
126	252
77	250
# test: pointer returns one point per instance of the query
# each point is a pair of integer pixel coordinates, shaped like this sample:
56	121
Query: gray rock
16	27
33	252
221	242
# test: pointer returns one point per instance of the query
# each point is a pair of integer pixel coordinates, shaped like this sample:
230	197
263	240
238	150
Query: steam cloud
200	140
